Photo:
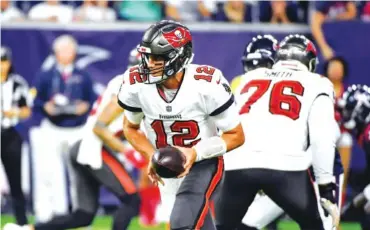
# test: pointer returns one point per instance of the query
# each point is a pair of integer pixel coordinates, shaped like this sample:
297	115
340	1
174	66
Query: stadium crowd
186	11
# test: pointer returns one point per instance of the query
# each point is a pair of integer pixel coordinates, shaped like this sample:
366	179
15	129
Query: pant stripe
120	172
211	188
339	190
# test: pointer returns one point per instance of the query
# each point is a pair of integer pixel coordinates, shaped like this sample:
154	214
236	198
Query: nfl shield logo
169	108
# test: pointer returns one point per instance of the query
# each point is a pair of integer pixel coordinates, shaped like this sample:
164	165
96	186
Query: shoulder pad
132	76
205	74
115	83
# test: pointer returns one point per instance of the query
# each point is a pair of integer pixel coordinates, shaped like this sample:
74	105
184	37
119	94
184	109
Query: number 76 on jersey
278	102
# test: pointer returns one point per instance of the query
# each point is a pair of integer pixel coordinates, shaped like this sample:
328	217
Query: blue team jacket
78	86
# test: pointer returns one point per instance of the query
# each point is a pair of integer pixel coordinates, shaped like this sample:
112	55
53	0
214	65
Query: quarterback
183	105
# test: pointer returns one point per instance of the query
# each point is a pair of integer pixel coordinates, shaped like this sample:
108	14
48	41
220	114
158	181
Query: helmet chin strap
186	63
311	66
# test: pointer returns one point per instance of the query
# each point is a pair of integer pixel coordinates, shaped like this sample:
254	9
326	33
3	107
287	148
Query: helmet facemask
258	59
173	62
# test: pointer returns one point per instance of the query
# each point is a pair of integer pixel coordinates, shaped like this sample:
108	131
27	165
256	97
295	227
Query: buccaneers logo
177	37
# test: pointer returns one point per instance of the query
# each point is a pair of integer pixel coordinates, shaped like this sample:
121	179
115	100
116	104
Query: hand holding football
168	162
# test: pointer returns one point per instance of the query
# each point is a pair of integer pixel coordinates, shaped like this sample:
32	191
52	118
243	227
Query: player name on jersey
281	74
170	117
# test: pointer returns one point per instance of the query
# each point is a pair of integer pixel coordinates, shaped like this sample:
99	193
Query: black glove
327	200
327	191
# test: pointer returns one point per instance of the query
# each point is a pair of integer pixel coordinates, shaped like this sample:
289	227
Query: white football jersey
274	105
102	101
188	117
91	145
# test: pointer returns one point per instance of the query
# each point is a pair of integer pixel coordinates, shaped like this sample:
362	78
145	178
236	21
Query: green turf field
104	223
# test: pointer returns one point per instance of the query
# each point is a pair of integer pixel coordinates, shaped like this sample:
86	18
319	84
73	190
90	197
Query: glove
327	201
135	158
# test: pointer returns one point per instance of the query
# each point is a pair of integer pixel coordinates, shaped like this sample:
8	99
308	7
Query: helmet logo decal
178	37
311	48
178	34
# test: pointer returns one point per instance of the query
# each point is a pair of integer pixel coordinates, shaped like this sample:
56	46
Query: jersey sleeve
128	99
323	141
218	96
220	103
114	85
325	88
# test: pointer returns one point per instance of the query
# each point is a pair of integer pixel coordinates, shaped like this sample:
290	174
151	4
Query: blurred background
105	32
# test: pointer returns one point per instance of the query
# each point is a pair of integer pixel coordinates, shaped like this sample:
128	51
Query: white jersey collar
292	64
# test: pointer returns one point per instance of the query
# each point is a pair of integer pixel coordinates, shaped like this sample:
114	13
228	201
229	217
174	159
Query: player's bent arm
111	111
316	28
232	137
323	136
136	137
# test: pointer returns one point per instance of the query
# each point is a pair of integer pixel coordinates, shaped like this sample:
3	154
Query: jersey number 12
277	97
187	131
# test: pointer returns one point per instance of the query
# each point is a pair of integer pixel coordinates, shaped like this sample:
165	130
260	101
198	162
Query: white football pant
262	212
49	144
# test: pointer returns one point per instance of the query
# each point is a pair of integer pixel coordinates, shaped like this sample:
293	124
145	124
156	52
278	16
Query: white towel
90	149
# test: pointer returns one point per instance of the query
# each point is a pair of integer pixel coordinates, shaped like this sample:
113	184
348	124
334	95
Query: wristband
209	148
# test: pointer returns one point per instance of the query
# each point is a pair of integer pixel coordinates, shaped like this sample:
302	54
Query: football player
284	110
354	109
260	53
93	161
183	105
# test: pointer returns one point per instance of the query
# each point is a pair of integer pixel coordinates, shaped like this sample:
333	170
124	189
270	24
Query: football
168	162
